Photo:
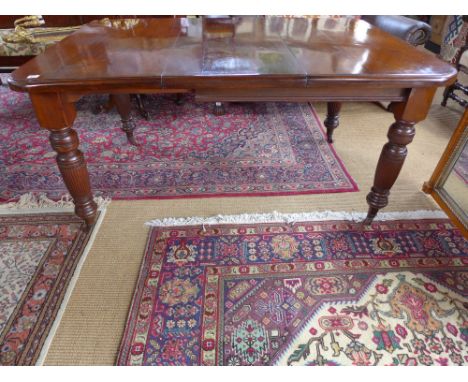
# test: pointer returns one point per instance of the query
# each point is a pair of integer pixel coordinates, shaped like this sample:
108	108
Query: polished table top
242	51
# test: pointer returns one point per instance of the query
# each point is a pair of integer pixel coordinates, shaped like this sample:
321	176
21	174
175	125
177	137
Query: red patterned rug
255	149
38	256
313	293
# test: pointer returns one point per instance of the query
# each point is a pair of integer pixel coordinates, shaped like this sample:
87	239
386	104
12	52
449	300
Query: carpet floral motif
403	319
185	150
38	255
16	271
312	293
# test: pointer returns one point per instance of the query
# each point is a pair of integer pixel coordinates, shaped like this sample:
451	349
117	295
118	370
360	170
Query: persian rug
304	293
39	253
255	149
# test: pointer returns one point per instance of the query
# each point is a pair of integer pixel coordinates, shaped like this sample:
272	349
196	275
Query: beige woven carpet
93	323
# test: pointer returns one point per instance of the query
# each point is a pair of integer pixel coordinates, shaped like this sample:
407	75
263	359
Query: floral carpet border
382	261
29	326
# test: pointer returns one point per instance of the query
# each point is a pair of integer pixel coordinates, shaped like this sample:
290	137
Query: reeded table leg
56	114
391	161
124	107
74	172
394	152
333	119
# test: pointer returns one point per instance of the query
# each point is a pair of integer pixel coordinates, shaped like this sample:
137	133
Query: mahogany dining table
236	59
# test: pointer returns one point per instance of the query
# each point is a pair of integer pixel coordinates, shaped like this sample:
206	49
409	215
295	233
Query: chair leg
218	108
448	90
104	108
124	107
141	107
178	99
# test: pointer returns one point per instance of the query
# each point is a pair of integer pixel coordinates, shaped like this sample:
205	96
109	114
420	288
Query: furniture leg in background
218	108
392	157
178	99
333	119
109	105
449	92
124	107
141	106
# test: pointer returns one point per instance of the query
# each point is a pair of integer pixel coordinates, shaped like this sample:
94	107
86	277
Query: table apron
318	93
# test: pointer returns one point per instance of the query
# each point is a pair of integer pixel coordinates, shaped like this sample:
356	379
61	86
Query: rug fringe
278	217
39	202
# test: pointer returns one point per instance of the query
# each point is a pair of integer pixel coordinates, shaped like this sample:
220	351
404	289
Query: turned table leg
124	107
72	166
394	152
56	114
391	160
333	119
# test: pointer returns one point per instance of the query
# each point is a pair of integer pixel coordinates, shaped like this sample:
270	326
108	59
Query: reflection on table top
165	51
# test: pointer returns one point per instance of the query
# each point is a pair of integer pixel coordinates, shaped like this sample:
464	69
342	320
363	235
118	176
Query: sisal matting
93	323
